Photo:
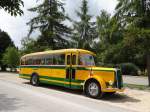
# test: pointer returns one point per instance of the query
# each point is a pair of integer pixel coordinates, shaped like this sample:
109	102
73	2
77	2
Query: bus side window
22	61
73	59
80	61
30	61
42	61
61	59
34	61
26	61
49	60
68	60
38	61
55	60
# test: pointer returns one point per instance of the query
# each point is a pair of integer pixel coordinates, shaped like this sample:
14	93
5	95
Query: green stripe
61	79
25	75
51	67
55	78
63	85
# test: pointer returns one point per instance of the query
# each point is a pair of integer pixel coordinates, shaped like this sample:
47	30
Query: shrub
11	57
129	69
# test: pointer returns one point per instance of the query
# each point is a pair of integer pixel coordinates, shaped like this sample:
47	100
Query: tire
34	80
93	89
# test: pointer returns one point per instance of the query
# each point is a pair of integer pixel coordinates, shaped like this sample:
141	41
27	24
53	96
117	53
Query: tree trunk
3	68
148	68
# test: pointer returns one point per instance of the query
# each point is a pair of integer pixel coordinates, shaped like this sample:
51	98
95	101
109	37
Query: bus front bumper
113	90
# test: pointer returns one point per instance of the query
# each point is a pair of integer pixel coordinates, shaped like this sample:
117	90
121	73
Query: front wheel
93	89
34	80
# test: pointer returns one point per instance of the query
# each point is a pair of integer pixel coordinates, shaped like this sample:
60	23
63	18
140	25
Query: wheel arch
34	73
100	81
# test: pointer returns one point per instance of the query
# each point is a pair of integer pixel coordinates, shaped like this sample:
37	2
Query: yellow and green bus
70	68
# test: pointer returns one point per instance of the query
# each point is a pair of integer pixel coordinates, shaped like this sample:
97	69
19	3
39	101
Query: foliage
136	45
50	18
28	45
5	42
124	37
135	12
12	6
108	28
110	36
11	57
84	29
134	48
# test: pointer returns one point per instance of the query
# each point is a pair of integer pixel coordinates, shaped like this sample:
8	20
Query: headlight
110	82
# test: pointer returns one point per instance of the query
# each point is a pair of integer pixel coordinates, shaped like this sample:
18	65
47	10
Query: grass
139	87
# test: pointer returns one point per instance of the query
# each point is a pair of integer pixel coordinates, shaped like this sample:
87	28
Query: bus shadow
115	98
59	88
119	98
62	89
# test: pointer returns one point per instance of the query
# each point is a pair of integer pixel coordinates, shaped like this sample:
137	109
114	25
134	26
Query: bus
71	68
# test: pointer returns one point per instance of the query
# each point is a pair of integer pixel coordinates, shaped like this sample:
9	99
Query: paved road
139	80
17	95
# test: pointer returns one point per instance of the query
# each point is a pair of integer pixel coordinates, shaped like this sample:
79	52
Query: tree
125	36
12	6
135	12
108	28
11	57
133	16
136	45
103	26
28	46
110	36
5	42
84	29
50	22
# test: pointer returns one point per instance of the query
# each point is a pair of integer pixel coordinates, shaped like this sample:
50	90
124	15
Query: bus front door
70	69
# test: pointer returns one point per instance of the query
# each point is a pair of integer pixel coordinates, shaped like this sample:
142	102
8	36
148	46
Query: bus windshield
86	60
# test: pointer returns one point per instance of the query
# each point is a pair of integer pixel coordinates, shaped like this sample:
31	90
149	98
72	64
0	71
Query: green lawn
139	87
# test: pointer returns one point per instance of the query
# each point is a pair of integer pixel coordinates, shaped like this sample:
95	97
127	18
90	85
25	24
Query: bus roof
59	51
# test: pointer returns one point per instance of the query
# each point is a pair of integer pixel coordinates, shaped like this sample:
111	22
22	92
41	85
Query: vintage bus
70	68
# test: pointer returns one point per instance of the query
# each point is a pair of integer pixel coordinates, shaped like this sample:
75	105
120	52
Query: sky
17	28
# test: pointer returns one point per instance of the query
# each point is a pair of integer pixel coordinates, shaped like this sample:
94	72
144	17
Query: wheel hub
93	89
34	79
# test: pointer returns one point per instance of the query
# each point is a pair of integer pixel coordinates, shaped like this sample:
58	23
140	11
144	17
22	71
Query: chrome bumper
113	90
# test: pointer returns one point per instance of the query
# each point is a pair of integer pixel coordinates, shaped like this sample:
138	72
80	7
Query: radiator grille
118	79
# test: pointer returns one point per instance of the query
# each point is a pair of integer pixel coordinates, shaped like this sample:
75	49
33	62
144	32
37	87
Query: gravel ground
130	99
139	80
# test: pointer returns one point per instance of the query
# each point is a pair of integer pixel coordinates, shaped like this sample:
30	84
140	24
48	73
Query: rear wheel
93	89
35	80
